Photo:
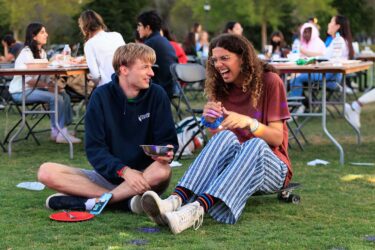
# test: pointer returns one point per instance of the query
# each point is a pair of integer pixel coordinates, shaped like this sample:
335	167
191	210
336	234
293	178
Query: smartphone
99	206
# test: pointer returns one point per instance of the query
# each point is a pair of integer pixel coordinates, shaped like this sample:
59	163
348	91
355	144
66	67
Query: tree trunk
264	34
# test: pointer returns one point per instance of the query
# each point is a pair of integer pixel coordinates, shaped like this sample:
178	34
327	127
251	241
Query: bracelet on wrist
212	125
254	125
121	171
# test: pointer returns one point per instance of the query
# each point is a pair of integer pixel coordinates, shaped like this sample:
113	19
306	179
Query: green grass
332	215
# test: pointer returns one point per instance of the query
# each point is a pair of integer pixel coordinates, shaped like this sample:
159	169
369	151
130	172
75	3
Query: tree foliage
55	15
359	12
264	13
120	15
259	17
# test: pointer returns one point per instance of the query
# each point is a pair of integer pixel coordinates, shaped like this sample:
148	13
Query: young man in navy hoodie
121	115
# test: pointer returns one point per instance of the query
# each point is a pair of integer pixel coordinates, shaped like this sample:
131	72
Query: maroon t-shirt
272	106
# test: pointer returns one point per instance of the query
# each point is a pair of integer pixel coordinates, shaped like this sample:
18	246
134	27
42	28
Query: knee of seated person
225	133
44	172
163	173
256	142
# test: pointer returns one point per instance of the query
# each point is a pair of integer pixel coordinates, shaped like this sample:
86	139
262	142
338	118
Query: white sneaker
55	132
155	207
301	109
352	115
187	216
61	139
136	205
349	90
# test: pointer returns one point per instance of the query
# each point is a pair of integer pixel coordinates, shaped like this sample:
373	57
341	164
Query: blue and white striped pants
232	172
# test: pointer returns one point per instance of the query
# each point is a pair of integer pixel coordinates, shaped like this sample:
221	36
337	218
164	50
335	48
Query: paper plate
72	216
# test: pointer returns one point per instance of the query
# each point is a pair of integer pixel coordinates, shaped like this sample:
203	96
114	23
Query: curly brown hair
252	69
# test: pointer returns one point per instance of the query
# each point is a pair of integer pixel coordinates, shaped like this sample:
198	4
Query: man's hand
136	180
234	120
165	159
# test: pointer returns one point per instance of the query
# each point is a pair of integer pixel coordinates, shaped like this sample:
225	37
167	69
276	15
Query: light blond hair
127	54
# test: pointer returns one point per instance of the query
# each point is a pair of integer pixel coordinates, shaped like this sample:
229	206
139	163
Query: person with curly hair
249	151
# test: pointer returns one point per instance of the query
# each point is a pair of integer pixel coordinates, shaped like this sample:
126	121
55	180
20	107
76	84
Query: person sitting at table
353	110
100	46
37	86
121	116
278	44
11	49
233	27
311	44
249	151
337	24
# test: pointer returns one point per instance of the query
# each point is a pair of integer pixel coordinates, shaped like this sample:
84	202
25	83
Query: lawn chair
293	104
185	75
30	107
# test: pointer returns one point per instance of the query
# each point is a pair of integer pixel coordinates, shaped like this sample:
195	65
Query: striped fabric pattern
232	172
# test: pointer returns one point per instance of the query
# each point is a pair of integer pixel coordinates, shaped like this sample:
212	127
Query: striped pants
232	172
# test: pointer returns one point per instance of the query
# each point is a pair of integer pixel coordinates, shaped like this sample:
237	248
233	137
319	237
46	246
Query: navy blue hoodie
165	57
115	127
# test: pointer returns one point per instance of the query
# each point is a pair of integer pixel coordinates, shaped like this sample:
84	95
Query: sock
356	106
90	203
184	193
207	201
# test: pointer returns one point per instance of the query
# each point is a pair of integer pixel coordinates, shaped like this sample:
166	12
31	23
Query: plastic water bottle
295	46
338	44
66	53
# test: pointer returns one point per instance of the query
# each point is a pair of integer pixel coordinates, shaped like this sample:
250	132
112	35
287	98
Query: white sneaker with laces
136	205
155	207
190	215
352	115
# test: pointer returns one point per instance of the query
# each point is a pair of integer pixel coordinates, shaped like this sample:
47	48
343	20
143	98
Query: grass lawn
333	214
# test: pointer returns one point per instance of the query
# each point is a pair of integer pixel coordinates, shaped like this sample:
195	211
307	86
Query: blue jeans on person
39	95
296	84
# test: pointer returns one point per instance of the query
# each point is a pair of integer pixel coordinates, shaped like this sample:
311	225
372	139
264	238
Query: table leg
324	120
56	111
23	116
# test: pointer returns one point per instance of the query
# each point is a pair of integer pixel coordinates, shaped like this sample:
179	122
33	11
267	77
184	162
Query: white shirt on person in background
344	51
24	57
99	51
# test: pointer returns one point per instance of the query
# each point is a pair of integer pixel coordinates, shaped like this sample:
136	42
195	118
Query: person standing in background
100	46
